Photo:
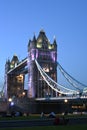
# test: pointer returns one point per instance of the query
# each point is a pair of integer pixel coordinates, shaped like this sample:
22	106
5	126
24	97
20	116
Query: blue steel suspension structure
78	87
55	86
75	83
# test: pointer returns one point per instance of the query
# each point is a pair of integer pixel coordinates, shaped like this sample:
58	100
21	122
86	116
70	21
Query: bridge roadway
62	98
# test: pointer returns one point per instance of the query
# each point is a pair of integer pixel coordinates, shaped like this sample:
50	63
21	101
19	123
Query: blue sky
66	19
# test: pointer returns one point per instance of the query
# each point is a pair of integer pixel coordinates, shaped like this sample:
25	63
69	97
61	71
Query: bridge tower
14	80
45	53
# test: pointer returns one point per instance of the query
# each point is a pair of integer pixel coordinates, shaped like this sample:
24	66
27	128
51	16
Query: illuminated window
11	66
39	45
50	46
51	68
39	40
46	68
20	78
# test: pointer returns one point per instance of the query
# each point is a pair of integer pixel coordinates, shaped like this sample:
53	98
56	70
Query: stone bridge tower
46	54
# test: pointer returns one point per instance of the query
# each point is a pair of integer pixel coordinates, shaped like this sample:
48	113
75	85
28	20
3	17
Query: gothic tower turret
7	66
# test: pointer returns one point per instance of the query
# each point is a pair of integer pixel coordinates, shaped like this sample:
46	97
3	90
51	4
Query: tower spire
34	38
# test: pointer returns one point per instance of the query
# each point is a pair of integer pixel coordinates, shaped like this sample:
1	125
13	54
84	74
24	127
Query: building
14	78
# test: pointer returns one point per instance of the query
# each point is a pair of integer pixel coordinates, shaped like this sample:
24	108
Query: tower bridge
43	90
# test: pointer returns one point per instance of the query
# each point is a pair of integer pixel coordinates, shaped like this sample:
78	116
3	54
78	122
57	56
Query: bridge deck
62	98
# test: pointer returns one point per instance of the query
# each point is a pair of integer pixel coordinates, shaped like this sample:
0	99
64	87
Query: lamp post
66	106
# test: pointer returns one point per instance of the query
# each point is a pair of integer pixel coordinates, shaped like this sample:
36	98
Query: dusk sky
64	19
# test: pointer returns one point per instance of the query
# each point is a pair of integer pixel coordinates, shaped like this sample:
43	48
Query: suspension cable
70	79
57	87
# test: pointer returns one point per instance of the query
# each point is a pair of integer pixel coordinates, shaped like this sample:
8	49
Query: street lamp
65	100
10	99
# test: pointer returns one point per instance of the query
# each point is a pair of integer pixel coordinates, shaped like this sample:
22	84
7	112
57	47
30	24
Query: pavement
41	122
